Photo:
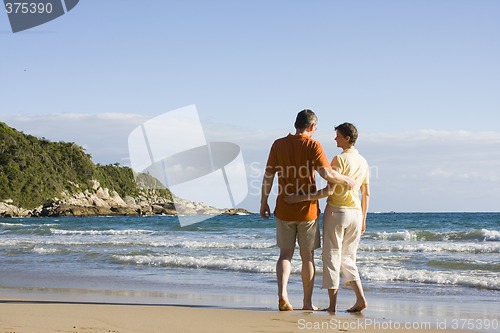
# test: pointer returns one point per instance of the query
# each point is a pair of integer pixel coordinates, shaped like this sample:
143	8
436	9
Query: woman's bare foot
283	305
361	303
358	307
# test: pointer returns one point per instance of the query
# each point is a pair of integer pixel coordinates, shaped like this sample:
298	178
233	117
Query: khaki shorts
305	232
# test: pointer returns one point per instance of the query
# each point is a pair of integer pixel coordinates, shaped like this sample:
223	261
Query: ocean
441	259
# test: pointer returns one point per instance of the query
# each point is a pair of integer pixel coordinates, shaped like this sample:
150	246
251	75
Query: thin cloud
75	116
432	135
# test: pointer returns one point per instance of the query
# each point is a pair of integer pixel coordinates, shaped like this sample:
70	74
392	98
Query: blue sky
420	79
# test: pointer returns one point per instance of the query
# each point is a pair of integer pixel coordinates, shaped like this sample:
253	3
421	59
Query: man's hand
265	211
350	182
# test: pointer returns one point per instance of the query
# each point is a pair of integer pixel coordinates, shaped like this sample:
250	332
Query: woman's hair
348	129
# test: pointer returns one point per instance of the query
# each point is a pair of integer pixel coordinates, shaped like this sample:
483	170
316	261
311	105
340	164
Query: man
344	219
295	158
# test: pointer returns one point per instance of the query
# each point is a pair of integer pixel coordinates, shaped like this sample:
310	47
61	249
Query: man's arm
365	202
267	184
335	177
324	192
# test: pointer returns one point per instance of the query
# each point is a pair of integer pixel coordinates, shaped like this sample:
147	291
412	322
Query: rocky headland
40	178
99	201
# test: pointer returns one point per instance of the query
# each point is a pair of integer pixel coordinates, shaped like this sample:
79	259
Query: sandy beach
37	316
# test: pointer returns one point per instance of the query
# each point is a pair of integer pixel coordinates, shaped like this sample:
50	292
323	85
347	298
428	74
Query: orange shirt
295	158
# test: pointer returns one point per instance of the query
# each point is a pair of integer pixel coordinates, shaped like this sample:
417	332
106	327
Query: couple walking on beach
295	159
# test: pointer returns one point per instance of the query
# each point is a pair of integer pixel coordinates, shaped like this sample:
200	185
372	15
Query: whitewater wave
193	244
42	250
483	247
6	224
367	246
107	232
491	235
423	235
10	224
208	262
431	277
386	273
186	244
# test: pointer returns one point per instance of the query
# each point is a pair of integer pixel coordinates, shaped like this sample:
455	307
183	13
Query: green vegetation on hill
33	170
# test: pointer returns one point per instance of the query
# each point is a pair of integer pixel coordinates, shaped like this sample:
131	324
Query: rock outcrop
9	210
101	201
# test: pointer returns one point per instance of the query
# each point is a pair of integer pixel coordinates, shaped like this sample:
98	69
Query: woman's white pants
341	235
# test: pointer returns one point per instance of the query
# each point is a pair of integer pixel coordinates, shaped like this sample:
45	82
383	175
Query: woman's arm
365	202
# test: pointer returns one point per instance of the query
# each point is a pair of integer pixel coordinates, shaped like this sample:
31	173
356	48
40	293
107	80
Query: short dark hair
305	119
348	129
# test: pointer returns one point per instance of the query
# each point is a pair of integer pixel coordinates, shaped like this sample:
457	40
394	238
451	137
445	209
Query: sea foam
424	235
483	247
101	232
207	262
431	277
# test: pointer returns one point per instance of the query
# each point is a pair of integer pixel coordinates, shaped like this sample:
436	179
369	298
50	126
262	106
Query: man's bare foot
358	307
283	305
331	310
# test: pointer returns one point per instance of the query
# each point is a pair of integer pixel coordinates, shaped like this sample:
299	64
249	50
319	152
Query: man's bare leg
332	295
308	273
283	270
361	303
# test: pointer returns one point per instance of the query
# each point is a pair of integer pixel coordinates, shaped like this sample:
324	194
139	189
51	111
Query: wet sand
41	316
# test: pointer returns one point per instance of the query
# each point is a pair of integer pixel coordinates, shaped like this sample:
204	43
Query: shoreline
447	308
39	310
41	316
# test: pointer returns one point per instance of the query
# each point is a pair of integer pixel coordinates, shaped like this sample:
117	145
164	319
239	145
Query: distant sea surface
230	260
